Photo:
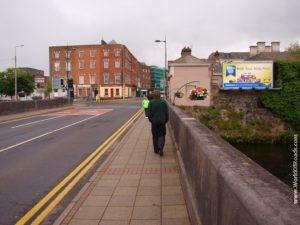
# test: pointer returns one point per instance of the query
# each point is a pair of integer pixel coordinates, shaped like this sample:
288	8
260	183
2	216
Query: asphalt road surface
38	152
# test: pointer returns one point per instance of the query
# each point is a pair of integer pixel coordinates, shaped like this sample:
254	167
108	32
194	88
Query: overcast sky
205	26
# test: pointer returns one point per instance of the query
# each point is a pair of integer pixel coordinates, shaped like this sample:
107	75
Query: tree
6	84
294	48
25	82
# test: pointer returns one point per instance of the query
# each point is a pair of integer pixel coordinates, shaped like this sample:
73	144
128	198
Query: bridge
222	185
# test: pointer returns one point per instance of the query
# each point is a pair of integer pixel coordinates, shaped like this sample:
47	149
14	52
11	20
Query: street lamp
16	78
165	41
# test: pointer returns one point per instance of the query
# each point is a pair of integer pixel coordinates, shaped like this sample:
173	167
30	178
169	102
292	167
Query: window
105	52
118	78
57	66
92	64
81	79
92	79
79	91
117	52
68	54
81	64
106	63
127	65
117	92
81	54
105	78
56	54
106	92
117	63
68	66
127	79
92	53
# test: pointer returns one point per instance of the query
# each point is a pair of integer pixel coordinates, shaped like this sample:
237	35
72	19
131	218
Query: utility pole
123	72
165	73
16	77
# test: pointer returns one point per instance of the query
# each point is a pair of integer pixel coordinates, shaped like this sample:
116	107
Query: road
38	152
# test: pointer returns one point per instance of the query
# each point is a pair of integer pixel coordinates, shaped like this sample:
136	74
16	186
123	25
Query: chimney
261	46
268	49
275	46
186	51
253	50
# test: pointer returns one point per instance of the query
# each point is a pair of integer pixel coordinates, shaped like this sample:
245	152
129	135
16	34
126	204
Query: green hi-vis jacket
145	103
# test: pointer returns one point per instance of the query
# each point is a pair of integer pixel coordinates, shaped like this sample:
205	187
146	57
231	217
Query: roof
112	42
230	55
275	56
189	59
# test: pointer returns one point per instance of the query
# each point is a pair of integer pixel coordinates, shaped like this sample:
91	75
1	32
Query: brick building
144	79
109	70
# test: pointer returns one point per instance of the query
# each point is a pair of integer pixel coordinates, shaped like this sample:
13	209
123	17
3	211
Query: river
276	158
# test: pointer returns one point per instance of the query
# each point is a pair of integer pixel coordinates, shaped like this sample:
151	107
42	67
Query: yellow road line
81	169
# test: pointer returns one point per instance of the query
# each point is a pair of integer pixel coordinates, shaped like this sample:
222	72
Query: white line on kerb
51	132
25	124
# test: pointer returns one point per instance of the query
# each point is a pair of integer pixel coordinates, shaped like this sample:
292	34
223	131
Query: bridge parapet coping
223	186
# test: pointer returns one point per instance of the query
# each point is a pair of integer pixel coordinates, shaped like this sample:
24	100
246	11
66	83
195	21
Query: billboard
248	75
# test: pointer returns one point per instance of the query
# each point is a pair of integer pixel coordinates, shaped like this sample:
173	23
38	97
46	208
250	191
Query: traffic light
70	83
71	94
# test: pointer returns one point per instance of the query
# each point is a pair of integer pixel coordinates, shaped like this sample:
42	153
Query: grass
237	127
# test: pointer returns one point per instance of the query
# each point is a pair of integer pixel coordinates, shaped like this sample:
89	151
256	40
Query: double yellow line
62	189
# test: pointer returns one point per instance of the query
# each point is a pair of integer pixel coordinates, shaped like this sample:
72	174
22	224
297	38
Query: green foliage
6	84
49	86
25	82
294	48
286	102
235	128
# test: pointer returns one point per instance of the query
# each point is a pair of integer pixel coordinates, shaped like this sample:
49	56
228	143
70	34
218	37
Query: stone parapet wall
222	185
12	107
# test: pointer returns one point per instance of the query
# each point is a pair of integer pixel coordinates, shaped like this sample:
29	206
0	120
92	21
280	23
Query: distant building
157	78
186	74
107	69
40	82
144	80
258	52
274	56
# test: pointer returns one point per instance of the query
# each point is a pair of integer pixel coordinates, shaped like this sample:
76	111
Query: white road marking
25	124
51	132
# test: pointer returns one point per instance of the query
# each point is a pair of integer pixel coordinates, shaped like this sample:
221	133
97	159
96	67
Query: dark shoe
156	151
161	153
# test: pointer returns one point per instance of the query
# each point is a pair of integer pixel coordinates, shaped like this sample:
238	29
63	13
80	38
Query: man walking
158	115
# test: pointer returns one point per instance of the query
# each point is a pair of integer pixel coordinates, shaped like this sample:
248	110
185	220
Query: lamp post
123	71
165	73
16	78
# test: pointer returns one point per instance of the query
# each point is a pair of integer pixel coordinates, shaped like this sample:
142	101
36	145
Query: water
276	158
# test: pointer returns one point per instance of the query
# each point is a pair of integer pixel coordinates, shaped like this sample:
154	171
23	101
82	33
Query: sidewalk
135	186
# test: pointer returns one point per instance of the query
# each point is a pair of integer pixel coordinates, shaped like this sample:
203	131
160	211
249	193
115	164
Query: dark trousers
158	136
146	112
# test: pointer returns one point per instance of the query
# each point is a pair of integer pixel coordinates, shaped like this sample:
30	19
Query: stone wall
223	186
242	100
12	107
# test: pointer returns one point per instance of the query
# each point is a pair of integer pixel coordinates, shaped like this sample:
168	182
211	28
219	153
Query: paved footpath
135	186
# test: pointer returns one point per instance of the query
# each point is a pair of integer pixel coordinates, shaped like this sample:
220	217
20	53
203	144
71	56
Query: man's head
156	94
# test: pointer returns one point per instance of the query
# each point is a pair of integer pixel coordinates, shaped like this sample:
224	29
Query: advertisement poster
248	75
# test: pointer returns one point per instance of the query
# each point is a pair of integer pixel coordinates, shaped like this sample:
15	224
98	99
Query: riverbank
239	127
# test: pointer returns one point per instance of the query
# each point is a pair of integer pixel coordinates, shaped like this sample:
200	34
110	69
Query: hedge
286	102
